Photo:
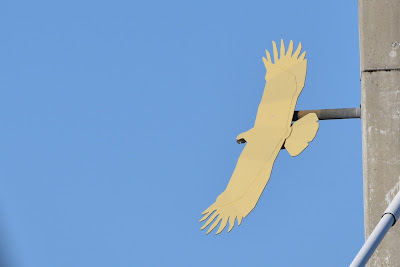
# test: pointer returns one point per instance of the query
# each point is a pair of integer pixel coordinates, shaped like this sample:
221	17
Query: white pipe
389	218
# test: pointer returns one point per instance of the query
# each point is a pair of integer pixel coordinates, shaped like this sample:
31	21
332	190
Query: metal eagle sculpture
272	130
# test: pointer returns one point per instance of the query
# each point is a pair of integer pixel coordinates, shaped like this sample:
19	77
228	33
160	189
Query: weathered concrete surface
381	157
379	24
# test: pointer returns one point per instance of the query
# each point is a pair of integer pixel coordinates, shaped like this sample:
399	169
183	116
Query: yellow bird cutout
272	130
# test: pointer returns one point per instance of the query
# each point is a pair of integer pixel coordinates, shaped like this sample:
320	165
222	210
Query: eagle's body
273	126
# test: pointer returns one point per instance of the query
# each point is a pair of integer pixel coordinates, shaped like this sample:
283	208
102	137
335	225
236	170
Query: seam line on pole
376	70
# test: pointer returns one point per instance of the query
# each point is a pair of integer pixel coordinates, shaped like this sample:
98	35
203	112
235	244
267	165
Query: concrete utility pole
379	25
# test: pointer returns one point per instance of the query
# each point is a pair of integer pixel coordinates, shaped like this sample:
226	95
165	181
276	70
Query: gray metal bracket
330	114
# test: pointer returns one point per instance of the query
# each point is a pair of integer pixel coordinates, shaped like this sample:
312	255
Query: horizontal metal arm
330	114
324	114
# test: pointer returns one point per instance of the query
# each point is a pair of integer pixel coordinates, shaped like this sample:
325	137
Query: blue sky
118	127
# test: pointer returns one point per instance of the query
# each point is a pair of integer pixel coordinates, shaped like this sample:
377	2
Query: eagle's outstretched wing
249	178
264	141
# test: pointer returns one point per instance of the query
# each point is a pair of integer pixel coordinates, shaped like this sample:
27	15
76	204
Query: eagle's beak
241	141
